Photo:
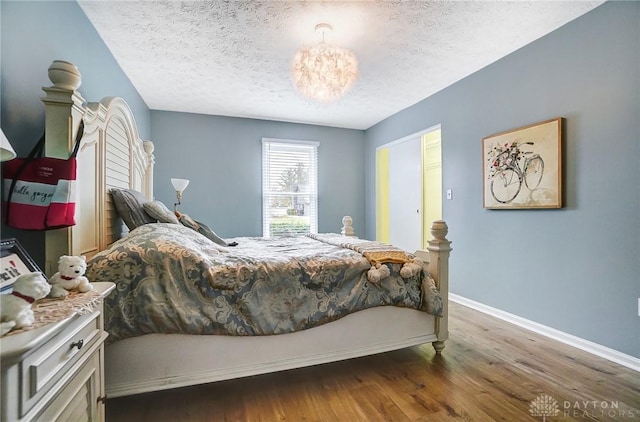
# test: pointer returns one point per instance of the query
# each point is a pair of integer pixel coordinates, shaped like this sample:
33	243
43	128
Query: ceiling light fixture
322	72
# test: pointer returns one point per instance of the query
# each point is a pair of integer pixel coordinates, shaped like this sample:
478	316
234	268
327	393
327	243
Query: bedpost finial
65	75
148	147
347	229
439	230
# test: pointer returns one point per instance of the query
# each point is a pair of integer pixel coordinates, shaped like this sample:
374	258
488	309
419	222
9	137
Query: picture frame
522	168
14	262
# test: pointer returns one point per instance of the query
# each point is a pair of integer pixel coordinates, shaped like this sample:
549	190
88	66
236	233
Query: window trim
266	194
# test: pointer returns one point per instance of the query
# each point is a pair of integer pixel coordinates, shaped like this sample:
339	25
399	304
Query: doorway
409	189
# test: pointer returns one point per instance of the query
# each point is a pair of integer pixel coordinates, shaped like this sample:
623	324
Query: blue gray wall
32	35
576	269
222	156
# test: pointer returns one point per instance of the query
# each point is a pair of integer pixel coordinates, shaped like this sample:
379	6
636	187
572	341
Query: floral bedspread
171	279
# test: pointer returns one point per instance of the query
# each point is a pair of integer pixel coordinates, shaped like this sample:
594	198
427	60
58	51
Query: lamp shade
323	72
179	184
6	150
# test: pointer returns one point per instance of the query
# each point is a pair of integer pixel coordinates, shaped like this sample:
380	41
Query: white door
405	195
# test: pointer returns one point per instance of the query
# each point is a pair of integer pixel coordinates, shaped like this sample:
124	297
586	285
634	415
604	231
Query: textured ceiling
232	58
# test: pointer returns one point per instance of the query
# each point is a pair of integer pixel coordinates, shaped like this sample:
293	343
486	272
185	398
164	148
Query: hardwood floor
489	370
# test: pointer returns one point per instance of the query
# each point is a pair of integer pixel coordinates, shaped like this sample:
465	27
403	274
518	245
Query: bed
112	156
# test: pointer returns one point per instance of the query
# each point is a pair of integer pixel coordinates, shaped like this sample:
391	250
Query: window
289	187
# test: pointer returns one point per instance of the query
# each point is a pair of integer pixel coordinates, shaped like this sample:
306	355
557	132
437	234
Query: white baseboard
586	345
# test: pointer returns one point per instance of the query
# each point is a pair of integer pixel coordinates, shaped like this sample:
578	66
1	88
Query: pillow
160	212
201	228
130	206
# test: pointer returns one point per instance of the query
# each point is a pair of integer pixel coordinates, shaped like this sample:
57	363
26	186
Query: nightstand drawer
76	401
42	369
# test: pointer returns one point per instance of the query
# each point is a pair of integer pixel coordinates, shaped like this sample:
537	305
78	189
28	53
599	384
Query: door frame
379	207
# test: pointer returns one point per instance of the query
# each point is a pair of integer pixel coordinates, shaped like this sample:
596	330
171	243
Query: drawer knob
78	344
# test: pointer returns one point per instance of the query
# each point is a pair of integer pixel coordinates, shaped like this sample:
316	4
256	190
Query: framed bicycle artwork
522	168
14	262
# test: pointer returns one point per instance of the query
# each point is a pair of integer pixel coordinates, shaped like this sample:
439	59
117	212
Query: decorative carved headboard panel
111	155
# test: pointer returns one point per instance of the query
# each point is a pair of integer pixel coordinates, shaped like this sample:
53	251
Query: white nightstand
56	372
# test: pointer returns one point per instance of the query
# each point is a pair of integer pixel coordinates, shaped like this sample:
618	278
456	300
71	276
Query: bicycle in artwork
511	167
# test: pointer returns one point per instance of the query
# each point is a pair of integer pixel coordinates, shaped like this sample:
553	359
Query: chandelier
323	72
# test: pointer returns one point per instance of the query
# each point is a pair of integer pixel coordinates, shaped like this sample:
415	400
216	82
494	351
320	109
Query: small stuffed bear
15	307
70	276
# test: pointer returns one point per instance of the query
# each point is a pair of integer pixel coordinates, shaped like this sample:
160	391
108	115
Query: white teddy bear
15	307
70	276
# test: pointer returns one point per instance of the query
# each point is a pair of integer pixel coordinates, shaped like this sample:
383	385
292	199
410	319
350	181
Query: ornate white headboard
111	155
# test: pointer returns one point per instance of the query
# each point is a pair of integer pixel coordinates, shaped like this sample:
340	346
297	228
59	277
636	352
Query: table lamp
6	150
179	185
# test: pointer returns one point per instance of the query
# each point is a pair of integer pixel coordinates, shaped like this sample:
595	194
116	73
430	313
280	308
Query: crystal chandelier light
323	72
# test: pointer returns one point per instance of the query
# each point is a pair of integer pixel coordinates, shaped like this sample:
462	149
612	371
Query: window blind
289	187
